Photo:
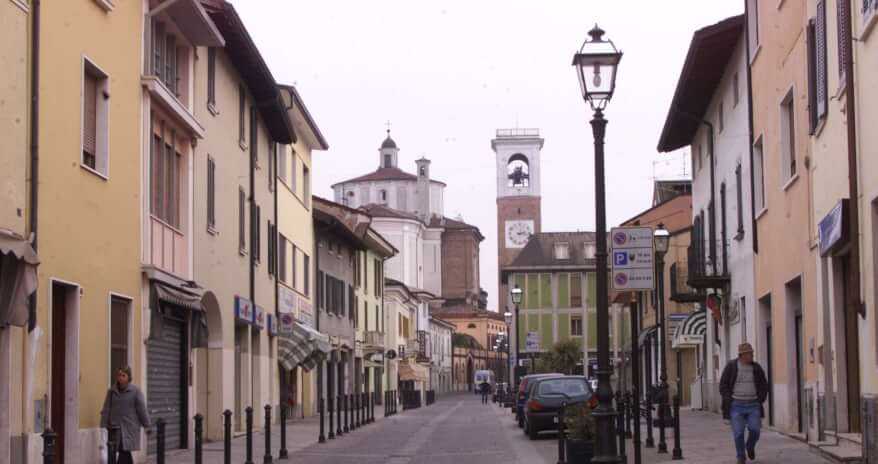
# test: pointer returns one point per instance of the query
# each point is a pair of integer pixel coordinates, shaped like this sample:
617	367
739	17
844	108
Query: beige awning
18	277
412	371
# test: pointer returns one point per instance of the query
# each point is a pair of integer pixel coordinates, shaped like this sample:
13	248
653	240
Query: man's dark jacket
727	386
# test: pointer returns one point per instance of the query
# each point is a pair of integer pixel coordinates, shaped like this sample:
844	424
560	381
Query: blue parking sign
620	258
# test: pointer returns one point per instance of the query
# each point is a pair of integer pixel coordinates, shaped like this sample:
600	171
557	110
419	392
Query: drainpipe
750	128
34	146
855	300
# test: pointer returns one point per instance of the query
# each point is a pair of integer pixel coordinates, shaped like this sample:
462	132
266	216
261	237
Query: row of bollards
347	413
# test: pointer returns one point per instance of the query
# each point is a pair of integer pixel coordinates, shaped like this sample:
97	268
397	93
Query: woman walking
125	408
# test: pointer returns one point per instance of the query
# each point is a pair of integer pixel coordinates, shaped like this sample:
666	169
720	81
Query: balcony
374	339
707	267
412	347
423	346
681	292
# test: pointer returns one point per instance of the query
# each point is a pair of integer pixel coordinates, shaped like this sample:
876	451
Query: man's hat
745	348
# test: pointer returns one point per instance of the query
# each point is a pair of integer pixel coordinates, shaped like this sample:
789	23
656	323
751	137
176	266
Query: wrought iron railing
681	291
707	266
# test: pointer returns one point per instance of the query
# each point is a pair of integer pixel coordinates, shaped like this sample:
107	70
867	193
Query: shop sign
833	228
243	310
286	300
271	319
306	312
259	317
285	322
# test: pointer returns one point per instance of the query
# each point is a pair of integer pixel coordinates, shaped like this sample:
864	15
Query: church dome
388	142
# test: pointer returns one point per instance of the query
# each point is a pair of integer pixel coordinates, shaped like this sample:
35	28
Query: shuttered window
119	334
256	240
272	256
817	79
211	77
272	159
242	228
844	37
306	273
320	295
166	166
242	116
89	120
282	259
739	189
211	193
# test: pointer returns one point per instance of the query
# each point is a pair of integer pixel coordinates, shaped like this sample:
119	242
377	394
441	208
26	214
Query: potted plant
581	431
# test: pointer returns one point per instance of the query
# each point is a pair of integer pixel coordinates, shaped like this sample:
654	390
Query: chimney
423	195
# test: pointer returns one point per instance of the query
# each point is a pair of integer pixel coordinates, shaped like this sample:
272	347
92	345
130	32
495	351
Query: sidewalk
706	438
301	433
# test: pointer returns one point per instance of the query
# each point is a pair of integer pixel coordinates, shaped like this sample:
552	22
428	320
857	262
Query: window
272	159
384	196
736	90
283	164
562	250
95	109
817	78
388	161
256	241
320	295
164	47
242	116
753	26
378	274
788	137
211	78
739	199
211	193
254	136
242	222
165	167
844	36
272	253
576	326
119	337
589	250
282	259
575	290
306	273
758	176
306	186
720	116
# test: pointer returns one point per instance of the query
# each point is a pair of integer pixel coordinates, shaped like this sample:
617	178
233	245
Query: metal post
517	348
358	406
267	459
49	446
562	444
112	444
635	375
650	443
663	377
678	451
620	426
227	437
199	438
338	425
331	417
347	413
160	442
604	413
321	403
248	448
283	454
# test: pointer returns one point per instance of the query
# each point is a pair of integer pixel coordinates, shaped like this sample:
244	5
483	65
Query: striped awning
302	346
646	333
691	332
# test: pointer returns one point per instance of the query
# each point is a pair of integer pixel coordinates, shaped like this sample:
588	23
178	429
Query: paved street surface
458	429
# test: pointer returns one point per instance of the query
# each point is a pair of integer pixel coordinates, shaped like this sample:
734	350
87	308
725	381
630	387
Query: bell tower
518	195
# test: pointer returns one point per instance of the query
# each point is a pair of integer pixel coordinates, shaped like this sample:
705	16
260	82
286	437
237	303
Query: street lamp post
596	65
662	239
516	299
508	317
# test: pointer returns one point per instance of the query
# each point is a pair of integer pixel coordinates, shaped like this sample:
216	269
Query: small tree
562	358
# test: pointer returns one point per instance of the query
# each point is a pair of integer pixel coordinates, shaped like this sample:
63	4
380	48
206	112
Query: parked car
521	398
546	397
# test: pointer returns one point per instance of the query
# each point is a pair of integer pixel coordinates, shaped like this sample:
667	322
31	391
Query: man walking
485	390
744	387
125	409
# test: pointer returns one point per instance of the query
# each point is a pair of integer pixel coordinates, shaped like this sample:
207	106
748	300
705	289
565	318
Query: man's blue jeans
745	414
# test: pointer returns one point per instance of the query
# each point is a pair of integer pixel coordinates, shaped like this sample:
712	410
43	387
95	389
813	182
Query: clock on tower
518	194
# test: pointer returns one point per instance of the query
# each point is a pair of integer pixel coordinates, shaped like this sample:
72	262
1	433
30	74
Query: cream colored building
786	315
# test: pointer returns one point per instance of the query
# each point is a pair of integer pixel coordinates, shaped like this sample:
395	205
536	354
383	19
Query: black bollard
338	425
678	451
331	417
112	444
227	437
282	453
629	400
49	447
663	419
562	443
620	427
371	408
160	441
650	443
248	418
267	459
199	438
347	411
321	405
358	409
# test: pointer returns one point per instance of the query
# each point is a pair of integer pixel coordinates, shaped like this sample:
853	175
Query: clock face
518	233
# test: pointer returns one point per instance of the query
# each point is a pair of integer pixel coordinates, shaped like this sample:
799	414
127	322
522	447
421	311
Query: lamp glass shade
662	239
516	295
596	65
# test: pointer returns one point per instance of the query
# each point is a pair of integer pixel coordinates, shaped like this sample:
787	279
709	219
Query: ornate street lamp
596	65
508	318
516	300
662	240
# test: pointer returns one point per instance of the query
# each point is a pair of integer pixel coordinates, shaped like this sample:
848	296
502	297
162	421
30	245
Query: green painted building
556	272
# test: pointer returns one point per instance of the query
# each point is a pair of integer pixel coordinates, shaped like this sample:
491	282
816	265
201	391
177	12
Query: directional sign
532	342
633	254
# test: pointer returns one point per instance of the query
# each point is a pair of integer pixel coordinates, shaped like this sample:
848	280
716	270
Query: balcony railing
412	347
707	267
681	292
374	338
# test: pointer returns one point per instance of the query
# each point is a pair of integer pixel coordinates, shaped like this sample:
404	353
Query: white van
483	376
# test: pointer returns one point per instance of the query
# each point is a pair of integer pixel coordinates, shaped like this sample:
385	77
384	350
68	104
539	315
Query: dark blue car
521	397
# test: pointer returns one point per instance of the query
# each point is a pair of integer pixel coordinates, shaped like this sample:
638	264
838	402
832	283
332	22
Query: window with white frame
120	340
576	326
562	250
166	166
589	250
95	113
788	137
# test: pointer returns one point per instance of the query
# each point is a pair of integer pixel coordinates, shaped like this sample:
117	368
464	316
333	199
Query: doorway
793	294
851	348
766	351
64	365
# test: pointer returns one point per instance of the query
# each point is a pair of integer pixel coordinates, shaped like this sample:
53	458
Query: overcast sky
447	74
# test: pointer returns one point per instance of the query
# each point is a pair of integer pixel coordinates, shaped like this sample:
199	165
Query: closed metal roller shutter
166	384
